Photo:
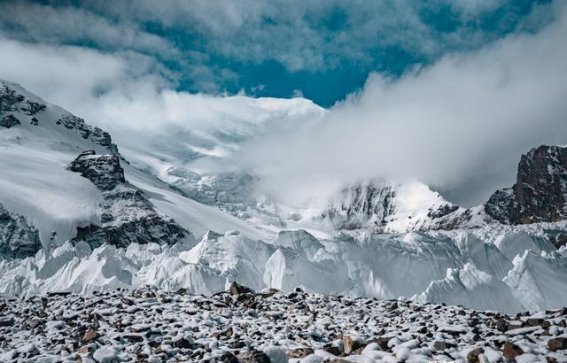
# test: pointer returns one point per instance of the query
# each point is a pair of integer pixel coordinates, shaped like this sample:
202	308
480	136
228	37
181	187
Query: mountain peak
540	192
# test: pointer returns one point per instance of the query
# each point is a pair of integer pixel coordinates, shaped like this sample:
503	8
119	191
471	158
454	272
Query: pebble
245	326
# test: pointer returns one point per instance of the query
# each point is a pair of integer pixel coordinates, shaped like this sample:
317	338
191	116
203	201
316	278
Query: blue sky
322	49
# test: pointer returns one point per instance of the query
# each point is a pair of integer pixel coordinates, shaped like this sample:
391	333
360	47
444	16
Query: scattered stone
333	349
299	353
105	354
254	357
90	335
6	321
510	351
557	344
184	343
152	325
474	355
351	344
237	289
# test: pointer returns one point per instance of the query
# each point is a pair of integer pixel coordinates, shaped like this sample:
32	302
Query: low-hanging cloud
459	125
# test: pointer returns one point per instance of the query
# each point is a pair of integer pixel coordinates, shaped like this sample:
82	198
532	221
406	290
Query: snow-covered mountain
76	215
65	192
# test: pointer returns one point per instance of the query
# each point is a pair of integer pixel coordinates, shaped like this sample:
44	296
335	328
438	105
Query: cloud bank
459	125
325	48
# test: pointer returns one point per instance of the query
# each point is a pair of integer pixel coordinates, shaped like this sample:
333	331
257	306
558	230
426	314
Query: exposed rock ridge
540	192
127	216
18	239
13	102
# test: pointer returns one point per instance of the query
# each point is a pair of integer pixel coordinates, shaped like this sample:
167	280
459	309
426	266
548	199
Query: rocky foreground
241	326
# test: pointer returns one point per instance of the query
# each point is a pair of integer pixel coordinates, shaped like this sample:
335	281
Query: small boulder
300	352
557	344
90	335
333	349
228	357
237	289
105	354
351	344
183	343
6	321
510	351
474	355
254	357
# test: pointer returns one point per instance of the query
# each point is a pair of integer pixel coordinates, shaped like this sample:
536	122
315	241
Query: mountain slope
38	184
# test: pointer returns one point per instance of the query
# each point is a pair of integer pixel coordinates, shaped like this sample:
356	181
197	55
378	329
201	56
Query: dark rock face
9	121
32	108
9	99
236	289
104	171
86	131
540	192
150	229
18	239
127	216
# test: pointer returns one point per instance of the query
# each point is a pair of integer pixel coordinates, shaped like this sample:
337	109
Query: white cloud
459	125
44	23
75	77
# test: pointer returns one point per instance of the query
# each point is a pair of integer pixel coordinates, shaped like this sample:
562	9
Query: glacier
456	268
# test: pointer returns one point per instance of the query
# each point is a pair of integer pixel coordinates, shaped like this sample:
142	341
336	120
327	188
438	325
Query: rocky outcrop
14	104
104	171
9	99
540	192
95	134
127	216
9	121
18	239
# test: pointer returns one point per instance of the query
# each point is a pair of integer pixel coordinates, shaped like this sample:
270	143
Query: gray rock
127	216
104	171
540	192
9	121
18	239
237	289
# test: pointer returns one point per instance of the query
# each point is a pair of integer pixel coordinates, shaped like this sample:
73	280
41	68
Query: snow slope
36	184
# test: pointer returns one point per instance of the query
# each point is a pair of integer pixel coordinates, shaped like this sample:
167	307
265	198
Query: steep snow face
398	207
192	152
480	291
538	279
